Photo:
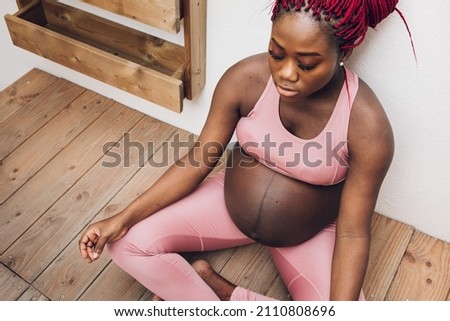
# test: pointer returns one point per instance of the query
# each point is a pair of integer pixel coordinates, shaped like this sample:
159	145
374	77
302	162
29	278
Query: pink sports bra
322	160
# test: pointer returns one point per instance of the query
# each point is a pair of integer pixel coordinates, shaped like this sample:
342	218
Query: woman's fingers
88	243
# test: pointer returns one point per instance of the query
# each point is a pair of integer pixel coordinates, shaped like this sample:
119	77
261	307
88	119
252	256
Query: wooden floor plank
86	198
21	92
389	242
19	166
31	294
82	274
147	296
146	177
11	285
424	273
278	290
20	211
251	267
68	276
26	121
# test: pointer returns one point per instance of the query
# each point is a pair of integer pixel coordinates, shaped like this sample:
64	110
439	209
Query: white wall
416	98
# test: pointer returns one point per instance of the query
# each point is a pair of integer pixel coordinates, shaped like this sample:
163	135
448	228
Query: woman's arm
371	147
188	172
185	175
230	97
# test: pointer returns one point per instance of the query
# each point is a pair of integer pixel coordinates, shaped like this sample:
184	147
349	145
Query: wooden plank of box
161	14
128	59
195	46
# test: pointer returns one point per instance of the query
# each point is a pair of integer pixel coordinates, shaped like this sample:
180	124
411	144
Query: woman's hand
97	235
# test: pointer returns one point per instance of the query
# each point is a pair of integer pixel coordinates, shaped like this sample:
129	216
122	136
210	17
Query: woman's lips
286	92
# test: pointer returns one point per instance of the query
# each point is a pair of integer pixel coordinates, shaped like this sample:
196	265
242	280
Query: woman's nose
289	71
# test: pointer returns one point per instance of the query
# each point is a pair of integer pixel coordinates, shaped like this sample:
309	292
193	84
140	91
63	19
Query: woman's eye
306	67
276	57
299	64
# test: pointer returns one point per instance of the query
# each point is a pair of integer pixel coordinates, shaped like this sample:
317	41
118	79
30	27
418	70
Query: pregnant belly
272	208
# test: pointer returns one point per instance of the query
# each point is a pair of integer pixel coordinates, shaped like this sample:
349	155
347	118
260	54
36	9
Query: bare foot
221	286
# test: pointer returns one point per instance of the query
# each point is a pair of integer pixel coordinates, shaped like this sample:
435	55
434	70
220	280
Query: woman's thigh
198	222
306	268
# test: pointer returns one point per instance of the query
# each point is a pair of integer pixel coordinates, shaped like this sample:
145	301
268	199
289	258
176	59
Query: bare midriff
272	208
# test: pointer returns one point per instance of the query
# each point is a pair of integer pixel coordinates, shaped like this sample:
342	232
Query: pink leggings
200	222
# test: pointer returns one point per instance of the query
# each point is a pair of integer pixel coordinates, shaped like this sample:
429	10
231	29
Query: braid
349	18
378	10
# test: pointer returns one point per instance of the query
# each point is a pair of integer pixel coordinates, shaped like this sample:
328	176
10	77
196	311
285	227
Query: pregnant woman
314	145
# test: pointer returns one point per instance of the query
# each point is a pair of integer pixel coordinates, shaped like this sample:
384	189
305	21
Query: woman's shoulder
247	80
366	103
255	66
249	71
368	118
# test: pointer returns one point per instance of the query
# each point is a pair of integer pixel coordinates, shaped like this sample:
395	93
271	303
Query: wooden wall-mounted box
164	15
146	66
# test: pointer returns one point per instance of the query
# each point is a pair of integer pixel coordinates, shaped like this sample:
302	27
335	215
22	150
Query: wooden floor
55	180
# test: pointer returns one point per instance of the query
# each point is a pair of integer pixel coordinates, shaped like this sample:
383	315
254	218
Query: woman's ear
346	54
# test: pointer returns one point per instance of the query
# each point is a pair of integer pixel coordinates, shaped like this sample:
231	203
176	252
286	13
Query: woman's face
302	59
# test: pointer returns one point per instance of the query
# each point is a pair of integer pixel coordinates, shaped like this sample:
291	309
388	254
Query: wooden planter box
144	65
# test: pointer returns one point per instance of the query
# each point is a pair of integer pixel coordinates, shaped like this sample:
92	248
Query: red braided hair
350	18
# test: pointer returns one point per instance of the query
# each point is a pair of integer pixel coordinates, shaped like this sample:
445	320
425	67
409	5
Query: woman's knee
134	244
119	250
